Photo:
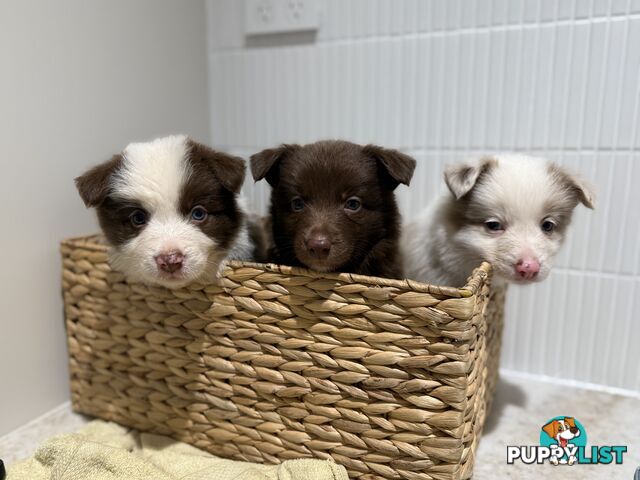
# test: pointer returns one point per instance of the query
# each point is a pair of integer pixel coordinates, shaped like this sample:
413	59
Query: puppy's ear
266	164
93	186
229	170
398	166
551	428
578	187
462	177
570	421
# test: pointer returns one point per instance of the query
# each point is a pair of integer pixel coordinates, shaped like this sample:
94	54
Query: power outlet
280	16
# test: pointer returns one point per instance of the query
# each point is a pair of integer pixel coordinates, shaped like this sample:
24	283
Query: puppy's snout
170	262
319	245
528	268
574	430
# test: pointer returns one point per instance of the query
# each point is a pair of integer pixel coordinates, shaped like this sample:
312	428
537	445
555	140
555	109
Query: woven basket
391	379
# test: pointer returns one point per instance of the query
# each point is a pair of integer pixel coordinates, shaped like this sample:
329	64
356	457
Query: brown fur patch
215	178
94	185
114	216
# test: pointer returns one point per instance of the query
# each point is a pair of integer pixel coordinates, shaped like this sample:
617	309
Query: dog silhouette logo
566	433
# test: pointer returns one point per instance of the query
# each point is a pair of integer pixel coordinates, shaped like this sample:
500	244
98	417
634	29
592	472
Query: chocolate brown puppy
333	207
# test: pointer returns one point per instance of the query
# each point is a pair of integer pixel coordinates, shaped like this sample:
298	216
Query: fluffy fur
511	210
333	206
169	210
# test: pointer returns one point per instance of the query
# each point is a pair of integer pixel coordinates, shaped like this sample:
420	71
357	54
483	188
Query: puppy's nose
170	262
574	430
528	268
319	245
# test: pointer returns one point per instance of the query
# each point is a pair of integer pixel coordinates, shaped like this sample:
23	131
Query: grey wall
78	81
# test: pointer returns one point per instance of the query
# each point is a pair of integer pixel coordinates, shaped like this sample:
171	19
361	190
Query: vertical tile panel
630	369
576	93
565	10
496	92
542	89
453	14
515	11
612	89
548	10
600	8
597	69
396	91
438	14
608	366
619	7
531	11
450	93
525	99
598	297
560	85
466	59
499	11
510	89
407	76
424	16
480	86
554	341
435	99
627	128
468	14
629	261
615	229
582	8
410	20
424	84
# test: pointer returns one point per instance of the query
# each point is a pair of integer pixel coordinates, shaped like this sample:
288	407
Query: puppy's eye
353	204
198	213
548	226
494	226
138	218
297	204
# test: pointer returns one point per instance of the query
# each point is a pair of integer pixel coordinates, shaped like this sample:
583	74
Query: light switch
280	16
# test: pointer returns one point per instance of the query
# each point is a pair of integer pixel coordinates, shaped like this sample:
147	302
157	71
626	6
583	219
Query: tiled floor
521	407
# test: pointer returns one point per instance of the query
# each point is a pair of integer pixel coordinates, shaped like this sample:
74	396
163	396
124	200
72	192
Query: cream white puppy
510	210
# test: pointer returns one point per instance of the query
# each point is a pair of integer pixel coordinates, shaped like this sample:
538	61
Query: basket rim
473	285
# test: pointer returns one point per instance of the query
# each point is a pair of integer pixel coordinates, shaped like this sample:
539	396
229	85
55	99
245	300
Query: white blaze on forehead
153	174
520	183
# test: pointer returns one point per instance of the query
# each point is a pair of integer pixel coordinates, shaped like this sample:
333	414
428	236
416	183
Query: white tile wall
442	79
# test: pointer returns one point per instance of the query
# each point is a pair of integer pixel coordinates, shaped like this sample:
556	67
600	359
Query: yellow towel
106	451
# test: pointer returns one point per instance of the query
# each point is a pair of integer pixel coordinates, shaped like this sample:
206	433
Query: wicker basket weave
391	379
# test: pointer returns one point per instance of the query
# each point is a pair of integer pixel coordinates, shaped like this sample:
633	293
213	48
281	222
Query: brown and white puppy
510	210
333	206
169	209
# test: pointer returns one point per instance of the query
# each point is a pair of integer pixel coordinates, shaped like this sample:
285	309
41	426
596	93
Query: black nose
319	245
170	262
574	430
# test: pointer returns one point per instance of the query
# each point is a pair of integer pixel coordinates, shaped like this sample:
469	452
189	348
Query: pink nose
528	268
170	262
